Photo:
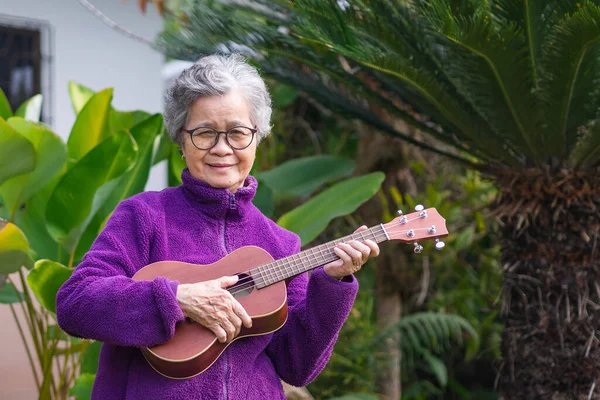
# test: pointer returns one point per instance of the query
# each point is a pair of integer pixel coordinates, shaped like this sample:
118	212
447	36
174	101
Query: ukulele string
379	235
248	282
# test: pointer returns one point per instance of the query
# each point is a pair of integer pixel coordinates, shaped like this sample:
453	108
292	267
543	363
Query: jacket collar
215	202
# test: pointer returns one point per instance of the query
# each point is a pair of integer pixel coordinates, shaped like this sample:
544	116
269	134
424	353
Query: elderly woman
218	111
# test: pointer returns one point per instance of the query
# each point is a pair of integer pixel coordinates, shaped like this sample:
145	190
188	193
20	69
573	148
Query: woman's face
221	166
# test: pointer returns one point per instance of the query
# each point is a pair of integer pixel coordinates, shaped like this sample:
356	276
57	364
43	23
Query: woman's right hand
209	304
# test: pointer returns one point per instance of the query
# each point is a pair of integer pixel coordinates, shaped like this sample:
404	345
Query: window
25	62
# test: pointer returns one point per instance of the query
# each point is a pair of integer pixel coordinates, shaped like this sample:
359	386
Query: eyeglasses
238	137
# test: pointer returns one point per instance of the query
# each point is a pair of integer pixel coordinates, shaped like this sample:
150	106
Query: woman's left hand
352	256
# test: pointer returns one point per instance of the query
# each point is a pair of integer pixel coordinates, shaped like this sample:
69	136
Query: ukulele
261	288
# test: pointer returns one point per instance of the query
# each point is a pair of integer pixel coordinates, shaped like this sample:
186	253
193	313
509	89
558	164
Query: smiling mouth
220	166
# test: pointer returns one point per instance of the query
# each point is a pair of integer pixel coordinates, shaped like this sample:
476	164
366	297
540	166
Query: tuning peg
419	207
400	213
439	245
418	248
431	230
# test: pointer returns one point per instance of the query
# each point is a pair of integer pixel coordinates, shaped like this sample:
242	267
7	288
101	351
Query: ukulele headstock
423	224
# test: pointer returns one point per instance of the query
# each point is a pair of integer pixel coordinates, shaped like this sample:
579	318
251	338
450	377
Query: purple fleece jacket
198	224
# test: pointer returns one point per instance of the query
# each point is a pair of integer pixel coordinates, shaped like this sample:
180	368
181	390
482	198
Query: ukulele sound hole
243	287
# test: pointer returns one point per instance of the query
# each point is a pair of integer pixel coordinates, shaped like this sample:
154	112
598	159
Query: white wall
91	53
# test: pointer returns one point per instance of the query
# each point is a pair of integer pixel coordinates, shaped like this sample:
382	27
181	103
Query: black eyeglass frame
226	133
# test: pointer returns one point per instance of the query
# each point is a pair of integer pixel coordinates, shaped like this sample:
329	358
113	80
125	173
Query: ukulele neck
284	268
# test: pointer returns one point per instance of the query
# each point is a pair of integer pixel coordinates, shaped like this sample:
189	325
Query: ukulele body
193	347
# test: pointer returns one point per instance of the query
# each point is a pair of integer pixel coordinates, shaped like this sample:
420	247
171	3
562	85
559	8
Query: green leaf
123	120
464	238
16	152
303	176
79	95
162	148
14	249
177	163
283	95
89	363
32	220
91	126
31	109
45	279
132	182
312	217
54	332
82	389
118	120
437	367
83	188
5	108
51	156
10	295
263	200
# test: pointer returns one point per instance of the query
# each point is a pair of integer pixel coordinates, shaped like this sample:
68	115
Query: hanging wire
113	25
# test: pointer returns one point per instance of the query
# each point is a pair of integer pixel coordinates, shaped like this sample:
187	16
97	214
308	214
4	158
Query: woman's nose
221	147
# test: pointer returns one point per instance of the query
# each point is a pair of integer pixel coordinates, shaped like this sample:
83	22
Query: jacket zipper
225	357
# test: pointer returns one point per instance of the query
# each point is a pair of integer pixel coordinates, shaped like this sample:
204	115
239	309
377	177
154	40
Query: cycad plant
505	86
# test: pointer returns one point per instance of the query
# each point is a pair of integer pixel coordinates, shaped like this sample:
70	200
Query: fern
428	330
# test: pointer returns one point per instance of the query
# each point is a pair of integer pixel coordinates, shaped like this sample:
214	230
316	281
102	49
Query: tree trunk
395	278
551	292
389	310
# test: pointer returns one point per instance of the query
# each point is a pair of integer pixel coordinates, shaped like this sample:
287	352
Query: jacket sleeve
100	301
317	308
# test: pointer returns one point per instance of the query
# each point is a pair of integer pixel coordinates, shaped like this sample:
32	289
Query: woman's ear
181	146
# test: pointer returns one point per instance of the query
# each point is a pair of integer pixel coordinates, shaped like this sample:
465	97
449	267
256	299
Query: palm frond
334	96
490	69
217	26
531	17
570	65
586	152
511	82
405	68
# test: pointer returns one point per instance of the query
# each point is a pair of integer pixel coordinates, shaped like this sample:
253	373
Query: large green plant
55	199
58	200
460	284
504	86
444	57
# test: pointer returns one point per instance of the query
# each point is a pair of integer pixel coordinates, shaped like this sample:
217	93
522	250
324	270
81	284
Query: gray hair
217	75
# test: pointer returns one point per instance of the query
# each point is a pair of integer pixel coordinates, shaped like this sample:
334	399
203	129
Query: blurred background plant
382	97
56	197
504	87
450	298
